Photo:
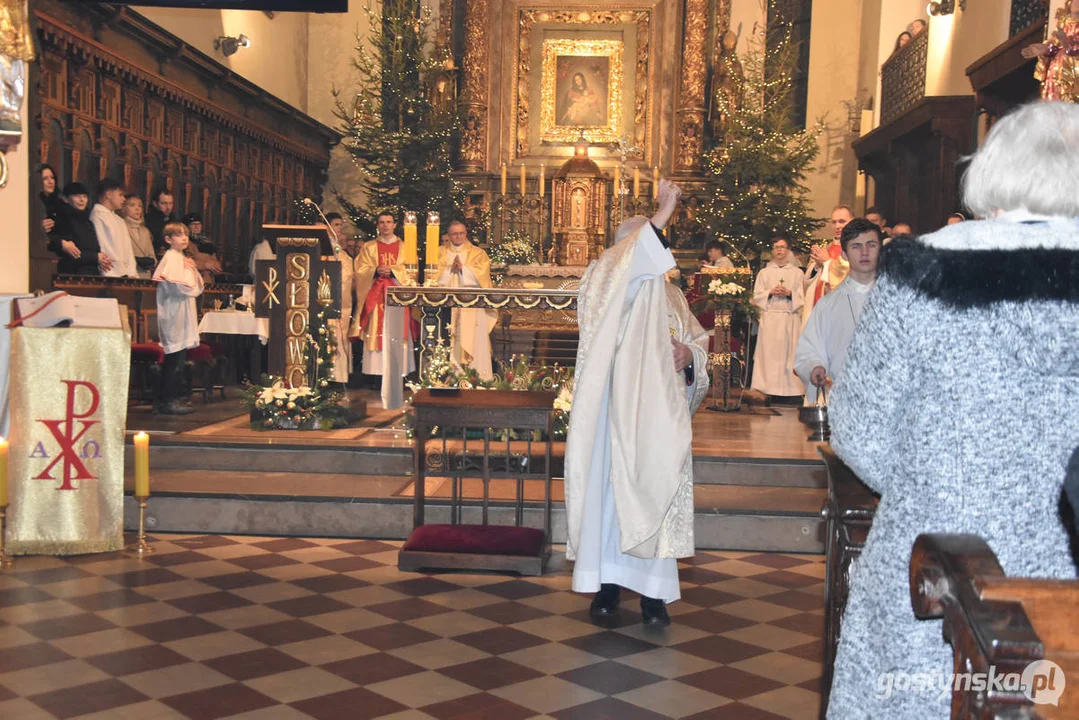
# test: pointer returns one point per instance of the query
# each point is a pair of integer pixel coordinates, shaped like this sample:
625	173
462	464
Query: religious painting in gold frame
581	90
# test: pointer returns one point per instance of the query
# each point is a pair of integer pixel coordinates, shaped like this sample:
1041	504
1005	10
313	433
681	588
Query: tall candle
411	247
3	472
434	238
503	178
655	182
636	182
522	179
142	465
617	180
543	178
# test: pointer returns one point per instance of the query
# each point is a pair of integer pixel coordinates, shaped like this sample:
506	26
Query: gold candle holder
6	560
140	547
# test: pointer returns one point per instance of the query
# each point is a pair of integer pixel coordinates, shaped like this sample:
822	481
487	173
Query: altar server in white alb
822	348
640	374
779	294
178	284
462	264
112	232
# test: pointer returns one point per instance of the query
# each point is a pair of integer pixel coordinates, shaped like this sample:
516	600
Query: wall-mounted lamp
944	7
229	45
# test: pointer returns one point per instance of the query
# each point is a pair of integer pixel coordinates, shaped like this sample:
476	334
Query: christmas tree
401	126
759	162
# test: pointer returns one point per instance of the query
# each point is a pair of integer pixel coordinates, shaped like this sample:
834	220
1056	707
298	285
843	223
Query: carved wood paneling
103	111
1025	13
474	75
690	131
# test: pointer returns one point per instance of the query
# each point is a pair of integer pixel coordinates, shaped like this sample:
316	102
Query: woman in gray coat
959	403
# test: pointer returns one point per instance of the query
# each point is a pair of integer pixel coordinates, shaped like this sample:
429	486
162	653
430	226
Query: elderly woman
959	403
142	243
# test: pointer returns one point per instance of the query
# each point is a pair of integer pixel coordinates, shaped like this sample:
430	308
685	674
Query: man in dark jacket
158	215
73	238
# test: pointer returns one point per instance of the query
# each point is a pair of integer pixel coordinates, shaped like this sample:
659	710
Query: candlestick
141	547
5	559
3	472
522	179
542	179
434	238
504	178
655	182
636	182
142	465
411	250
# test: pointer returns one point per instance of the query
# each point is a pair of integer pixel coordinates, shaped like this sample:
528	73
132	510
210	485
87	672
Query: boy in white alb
178	284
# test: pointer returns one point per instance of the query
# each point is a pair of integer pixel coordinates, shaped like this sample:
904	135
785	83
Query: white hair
1029	161
629	226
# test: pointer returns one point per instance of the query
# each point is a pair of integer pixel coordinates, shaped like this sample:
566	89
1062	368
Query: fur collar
973	278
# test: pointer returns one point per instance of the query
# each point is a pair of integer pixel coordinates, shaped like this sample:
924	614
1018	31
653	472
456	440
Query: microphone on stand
312	203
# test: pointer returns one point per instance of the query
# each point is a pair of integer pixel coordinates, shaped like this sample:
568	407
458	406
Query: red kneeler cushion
150	352
200	352
476	539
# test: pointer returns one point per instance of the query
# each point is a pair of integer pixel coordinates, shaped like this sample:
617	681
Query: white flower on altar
718	287
276	391
564	401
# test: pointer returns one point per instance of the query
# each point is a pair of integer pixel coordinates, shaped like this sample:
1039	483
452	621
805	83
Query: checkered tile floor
241	627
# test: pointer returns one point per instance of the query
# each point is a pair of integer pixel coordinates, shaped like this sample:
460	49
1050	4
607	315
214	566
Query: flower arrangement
517	375
727	289
274	405
516	248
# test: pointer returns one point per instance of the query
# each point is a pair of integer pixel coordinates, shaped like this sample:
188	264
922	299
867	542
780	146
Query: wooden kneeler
500	426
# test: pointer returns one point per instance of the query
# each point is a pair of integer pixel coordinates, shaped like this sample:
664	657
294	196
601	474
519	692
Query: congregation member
142	242
900	229
959	403
51	198
199	239
158	215
381	264
875	216
640	375
955	217
462	264
112	234
778	294
826	267
73	238
178	284
715	254
822	346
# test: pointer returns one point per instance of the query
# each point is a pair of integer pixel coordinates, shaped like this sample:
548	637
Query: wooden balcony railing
1025	13
902	78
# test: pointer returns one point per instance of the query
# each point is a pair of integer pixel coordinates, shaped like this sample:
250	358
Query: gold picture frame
581	90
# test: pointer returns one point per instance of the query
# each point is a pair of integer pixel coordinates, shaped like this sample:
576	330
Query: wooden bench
848	513
999	622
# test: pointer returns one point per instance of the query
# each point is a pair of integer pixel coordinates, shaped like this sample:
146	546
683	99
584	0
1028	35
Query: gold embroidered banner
68	412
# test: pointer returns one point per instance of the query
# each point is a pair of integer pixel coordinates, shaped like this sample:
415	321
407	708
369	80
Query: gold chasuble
68	412
367	321
471	336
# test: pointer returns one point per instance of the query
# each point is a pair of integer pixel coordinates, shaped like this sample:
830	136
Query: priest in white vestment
462	264
778	293
640	374
261	251
822	348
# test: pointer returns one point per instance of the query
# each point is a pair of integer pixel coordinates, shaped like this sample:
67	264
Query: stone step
365	460
758	518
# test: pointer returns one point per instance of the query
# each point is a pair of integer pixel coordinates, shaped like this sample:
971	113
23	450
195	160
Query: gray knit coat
959	404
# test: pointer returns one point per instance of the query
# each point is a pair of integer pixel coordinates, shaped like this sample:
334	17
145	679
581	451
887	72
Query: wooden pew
848	513
993	620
